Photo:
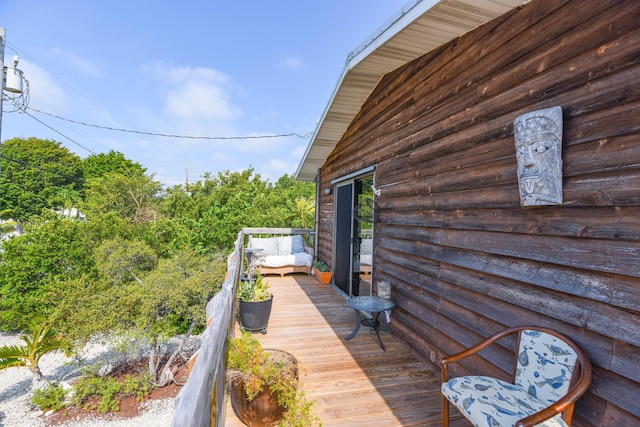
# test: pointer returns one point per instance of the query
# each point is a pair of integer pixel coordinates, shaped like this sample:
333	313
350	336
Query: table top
372	304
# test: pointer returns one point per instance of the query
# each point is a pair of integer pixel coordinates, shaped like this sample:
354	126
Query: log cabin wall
464	259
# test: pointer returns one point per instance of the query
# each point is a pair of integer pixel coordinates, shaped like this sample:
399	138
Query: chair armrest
445	361
309	250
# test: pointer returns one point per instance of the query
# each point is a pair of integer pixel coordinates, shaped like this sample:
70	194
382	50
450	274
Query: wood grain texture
464	259
354	383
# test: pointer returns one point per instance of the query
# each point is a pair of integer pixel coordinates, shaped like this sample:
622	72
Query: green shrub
104	393
49	398
106	389
138	386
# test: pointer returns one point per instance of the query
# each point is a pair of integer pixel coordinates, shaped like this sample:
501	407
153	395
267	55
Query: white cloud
77	62
200	100
45	94
275	169
292	63
197	100
298	152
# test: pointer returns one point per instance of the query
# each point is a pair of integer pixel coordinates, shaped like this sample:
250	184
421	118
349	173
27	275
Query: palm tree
40	340
305	209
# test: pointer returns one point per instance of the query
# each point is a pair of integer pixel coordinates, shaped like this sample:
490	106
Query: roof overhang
421	26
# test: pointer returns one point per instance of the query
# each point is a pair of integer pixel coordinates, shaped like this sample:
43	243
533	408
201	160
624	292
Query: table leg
355	331
376	326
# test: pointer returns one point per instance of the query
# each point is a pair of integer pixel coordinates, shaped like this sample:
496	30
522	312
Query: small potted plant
322	272
263	385
255	303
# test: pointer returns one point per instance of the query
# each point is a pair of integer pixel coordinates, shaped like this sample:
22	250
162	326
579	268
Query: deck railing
201	402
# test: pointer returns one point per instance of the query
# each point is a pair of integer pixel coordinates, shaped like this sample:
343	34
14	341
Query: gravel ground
17	411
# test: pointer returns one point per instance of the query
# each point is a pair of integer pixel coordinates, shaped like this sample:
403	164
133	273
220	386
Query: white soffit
421	26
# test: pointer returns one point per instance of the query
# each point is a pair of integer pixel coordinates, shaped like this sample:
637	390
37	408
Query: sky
222	70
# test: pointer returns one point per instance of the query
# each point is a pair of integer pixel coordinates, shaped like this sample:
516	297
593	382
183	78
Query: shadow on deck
354	383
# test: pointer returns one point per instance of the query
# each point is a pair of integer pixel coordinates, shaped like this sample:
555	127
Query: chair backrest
545	365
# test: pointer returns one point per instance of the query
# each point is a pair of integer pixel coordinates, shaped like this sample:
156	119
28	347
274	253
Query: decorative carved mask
538	138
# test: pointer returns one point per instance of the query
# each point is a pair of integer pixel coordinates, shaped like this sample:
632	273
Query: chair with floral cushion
550	374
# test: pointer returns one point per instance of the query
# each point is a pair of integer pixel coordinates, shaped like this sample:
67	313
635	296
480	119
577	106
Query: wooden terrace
354	383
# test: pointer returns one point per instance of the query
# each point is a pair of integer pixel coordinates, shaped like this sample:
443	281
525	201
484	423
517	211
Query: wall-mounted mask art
538	138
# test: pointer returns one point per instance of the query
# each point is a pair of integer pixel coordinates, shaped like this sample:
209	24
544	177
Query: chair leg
445	412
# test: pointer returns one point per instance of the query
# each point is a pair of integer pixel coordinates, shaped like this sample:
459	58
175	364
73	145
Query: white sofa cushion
297	260
288	245
269	245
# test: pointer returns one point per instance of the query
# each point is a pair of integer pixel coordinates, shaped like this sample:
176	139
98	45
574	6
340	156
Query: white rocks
16	409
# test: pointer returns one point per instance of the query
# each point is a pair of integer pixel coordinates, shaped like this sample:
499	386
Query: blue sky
193	68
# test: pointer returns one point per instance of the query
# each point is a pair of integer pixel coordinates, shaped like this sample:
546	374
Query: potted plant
255	303
263	385
322	272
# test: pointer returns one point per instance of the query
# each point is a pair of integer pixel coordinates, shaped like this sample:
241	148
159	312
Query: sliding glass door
354	236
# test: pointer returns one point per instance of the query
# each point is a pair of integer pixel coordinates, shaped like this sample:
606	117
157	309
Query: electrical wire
57	131
80	94
307	135
25	106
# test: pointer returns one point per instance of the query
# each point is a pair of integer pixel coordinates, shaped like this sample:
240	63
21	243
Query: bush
104	393
106	389
49	398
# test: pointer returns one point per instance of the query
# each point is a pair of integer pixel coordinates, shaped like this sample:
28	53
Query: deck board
354	383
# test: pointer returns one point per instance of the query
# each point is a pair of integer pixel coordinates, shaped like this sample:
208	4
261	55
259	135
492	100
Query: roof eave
421	26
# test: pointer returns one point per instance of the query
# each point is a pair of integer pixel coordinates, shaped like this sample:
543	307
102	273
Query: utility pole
3	34
186	187
10	80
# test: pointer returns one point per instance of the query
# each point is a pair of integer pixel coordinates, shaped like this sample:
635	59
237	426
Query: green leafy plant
105	389
321	266
105	392
139	386
258	368
40	340
49	398
254	290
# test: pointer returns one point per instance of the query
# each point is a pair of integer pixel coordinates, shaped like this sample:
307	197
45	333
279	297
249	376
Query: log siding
465	260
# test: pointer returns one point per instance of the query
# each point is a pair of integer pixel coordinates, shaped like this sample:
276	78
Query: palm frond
13	351
53	344
6	363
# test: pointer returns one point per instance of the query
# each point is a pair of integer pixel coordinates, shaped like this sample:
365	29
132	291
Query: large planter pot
324	277
264	409
254	316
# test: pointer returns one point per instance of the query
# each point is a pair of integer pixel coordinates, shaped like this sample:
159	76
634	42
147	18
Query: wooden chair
551	373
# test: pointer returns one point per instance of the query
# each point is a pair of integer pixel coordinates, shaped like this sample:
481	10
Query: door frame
339	211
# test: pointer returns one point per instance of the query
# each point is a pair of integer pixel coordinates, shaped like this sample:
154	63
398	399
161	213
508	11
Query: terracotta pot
264	409
324	277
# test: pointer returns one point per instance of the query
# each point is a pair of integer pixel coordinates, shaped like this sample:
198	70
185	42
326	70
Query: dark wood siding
464	258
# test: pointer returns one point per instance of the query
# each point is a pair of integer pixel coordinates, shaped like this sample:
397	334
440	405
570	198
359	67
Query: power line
89	100
56	131
307	135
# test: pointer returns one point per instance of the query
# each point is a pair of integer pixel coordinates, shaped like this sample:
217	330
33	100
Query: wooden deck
354	383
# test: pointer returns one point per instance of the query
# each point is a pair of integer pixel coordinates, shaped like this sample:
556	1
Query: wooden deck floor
354	383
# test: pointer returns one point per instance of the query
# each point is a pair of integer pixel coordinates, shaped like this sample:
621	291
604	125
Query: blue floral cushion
490	402
545	365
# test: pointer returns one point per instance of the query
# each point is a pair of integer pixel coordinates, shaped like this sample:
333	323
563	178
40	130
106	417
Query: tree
305	210
123	261
134	197
40	340
177	294
51	250
34	172
99	165
132	300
